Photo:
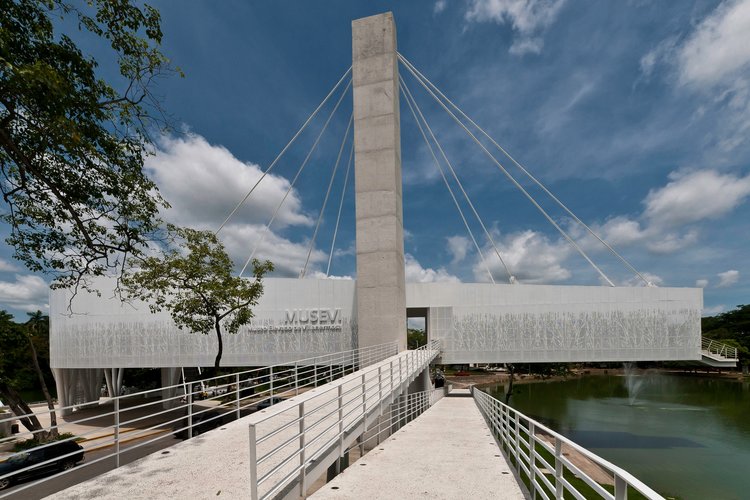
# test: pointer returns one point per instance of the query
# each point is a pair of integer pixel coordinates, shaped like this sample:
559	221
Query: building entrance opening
417	331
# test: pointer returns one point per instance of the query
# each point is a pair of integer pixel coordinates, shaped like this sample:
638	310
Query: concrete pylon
381	297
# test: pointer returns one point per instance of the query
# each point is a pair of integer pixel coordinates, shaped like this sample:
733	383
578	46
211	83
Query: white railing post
253	464
400	374
558	469
380	385
341	421
364	403
392	375
621	488
532	460
117	431
237	394
296	379
315	375
270	379
190	412
517	444
302	472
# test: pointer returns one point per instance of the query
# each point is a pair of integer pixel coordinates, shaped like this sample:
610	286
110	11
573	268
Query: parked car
56	451
267	403
203	421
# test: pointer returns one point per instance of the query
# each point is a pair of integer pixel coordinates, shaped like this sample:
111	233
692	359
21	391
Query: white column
381	299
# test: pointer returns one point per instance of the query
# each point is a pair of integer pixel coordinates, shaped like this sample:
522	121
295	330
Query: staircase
718	355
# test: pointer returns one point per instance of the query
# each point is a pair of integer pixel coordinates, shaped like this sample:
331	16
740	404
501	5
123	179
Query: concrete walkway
446	453
217	463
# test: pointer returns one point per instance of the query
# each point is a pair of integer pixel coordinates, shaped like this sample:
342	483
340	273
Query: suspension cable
278	157
513	180
529	174
511	278
291	185
341	204
442	174
325	200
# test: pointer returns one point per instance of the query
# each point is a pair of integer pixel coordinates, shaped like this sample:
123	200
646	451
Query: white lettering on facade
313	316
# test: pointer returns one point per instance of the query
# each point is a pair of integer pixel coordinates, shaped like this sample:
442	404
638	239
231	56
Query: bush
33	443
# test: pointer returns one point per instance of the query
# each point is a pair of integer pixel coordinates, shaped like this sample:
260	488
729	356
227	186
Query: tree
72	146
415	338
37	324
732	328
194	281
14	345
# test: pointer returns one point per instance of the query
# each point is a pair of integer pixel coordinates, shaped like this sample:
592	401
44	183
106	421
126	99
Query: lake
686	436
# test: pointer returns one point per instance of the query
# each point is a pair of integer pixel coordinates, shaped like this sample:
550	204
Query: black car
267	403
203	421
55	451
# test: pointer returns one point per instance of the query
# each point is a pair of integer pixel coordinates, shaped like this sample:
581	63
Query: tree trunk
21	410
217	361
510	386
50	405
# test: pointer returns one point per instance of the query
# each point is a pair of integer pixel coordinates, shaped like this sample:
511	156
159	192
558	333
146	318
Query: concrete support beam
77	386
170	377
381	298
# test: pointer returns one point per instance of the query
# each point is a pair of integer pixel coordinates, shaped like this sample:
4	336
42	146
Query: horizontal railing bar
515	432
369	390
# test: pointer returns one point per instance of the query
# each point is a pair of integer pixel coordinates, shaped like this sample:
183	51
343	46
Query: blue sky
635	114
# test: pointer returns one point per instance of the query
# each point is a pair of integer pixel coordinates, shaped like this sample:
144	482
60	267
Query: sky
635	114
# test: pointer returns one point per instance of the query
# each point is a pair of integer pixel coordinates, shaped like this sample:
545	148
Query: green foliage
732	328
415	338
72	146
23	366
194	281
33	443
16	366
15	362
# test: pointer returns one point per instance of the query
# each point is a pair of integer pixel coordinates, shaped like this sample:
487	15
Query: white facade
294	319
479	323
298	319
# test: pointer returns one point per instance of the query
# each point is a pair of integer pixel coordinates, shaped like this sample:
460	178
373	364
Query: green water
683	436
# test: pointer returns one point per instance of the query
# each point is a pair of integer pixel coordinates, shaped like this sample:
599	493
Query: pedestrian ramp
446	453
718	354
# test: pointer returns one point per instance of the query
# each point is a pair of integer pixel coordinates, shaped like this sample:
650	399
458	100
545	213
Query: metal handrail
291	437
519	437
719	349
179	411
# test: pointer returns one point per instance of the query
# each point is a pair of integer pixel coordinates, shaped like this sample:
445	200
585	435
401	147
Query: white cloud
666	243
27	293
528	19
658	54
203	183
728	278
637	281
7	266
531	257
288	257
440	6
695	196
322	275
701	283
714	60
415	273
458	247
718	48
711	311
664	226
528	45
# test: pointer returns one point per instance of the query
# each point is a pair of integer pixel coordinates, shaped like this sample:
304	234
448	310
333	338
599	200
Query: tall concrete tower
381	298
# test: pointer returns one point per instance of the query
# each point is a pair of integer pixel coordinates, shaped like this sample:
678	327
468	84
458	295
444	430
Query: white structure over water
300	318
